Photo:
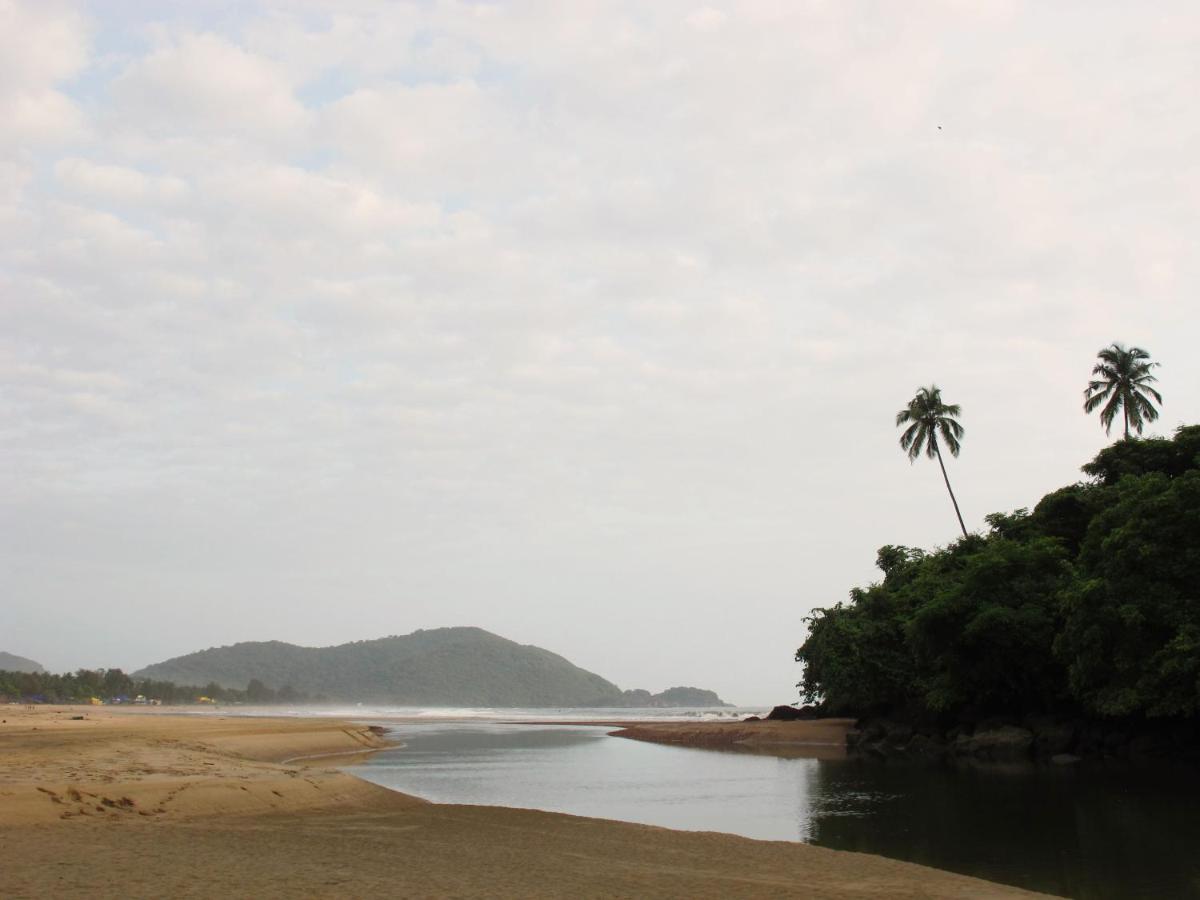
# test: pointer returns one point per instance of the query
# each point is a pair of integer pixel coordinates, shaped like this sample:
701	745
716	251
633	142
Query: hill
10	662
670	698
1078	621
439	667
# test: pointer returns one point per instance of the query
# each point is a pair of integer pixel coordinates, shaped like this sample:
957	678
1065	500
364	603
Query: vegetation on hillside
1088	605
446	667
113	685
438	667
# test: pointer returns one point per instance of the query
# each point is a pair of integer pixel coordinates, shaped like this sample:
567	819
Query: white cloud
118	184
206	84
706	19
435	138
41	46
504	314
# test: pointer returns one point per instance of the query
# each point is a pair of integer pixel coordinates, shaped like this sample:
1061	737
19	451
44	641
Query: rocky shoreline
1033	739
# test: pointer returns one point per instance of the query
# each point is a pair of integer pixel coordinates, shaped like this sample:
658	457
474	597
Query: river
1089	833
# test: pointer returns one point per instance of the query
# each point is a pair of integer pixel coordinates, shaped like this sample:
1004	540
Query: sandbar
815	738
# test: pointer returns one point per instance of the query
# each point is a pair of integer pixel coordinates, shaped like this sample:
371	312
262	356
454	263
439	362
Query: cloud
556	318
206	84
436	137
118	184
40	48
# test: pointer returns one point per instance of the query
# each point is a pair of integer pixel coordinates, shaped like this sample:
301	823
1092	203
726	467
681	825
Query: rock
1007	743
1052	738
784	714
995	723
873	731
752	719
1147	746
898	735
1091	741
925	746
1064	759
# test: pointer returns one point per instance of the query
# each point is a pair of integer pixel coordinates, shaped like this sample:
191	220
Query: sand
816	738
139	804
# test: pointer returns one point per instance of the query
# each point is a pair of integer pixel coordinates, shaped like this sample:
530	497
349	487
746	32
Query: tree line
1088	605
114	686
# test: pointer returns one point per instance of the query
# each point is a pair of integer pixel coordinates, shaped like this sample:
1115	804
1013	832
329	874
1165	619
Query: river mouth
1093	834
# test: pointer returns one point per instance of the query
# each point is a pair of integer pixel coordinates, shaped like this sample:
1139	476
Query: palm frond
913	440
1110	412
1097	392
951	431
1123	384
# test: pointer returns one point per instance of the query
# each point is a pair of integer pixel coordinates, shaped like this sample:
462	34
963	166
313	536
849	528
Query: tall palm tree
927	417
1124	383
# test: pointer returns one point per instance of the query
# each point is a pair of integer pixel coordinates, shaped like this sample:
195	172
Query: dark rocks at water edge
789	713
10	662
439	667
1047	739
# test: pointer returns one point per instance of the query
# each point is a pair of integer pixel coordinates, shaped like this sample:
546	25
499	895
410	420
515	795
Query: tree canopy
1090	603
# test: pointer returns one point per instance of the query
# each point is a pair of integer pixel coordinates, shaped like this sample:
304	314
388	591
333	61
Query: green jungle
1085	608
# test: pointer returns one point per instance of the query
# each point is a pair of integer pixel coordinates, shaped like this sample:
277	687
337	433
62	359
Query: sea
1104	832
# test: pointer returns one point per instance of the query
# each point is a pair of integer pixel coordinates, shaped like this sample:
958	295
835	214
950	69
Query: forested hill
1088	607
439	667
10	662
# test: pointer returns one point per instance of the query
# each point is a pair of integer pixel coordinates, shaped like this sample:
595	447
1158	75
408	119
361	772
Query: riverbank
815	738
138	804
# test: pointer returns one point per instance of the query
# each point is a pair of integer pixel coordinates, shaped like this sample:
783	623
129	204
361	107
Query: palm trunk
1125	409
946	478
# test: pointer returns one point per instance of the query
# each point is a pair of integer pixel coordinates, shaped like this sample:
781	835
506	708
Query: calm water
1083	834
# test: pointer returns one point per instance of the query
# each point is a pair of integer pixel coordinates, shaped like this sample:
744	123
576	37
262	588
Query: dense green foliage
1088	604
112	685
439	667
447	666
444	666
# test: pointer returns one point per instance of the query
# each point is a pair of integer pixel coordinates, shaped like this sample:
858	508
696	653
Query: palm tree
926	417
1124	383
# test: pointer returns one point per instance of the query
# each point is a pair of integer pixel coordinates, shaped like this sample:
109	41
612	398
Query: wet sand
144	804
815	738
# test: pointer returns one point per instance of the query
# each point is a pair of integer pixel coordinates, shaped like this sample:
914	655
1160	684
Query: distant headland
438	667
10	662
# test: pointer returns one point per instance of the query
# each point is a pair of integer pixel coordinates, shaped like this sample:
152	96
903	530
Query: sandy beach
144	804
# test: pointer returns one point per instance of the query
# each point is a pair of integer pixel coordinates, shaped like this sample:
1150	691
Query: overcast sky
585	323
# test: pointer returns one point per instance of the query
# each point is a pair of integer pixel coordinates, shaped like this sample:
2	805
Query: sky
584	323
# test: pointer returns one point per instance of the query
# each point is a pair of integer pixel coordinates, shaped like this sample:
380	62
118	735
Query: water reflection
1093	835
